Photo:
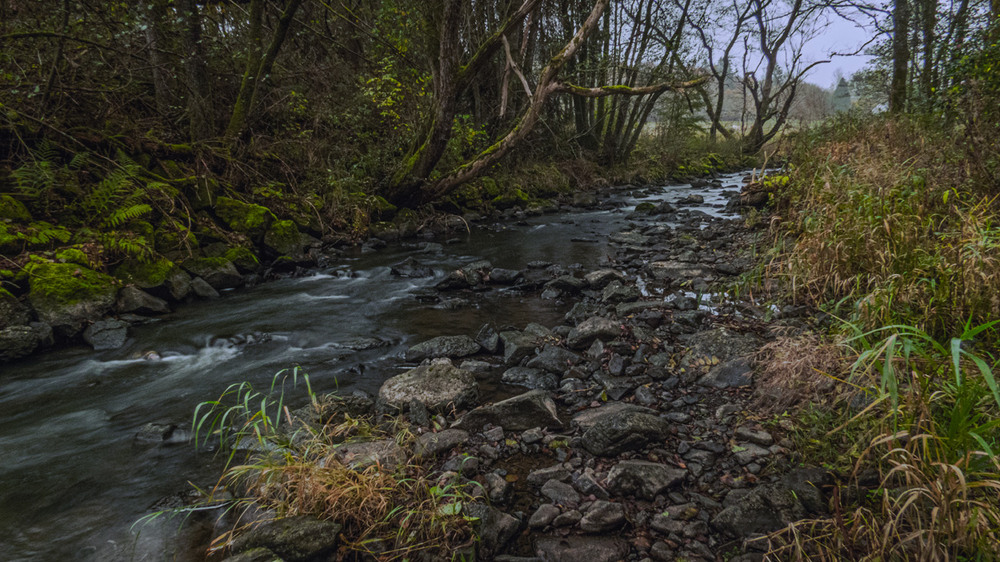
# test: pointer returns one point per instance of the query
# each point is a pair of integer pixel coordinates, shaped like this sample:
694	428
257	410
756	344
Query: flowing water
73	475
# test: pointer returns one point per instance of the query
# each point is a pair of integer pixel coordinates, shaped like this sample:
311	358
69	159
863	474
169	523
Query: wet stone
568	519
560	493
643	479
543	516
603	516
530	378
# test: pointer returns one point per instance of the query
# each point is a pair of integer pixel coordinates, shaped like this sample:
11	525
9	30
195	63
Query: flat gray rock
532	409
643	479
439	386
443	346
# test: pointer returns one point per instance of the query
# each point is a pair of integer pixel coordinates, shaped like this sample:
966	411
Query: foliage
294	468
887	228
936	409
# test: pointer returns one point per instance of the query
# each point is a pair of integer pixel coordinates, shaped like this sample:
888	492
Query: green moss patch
247	218
284	238
73	255
145	275
67	283
14	210
244	260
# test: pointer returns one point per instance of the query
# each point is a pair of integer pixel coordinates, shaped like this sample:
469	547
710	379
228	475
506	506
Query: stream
74	476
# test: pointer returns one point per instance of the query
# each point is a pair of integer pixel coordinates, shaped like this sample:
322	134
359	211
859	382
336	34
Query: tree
413	185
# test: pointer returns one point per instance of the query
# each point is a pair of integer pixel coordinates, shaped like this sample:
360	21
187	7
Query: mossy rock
490	188
244	259
248	218
12	311
219	272
172	236
13	210
10	243
148	275
283	239
73	255
513	198
383	209
645	208
65	295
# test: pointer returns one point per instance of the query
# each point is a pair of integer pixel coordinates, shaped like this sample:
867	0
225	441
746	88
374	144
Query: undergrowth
284	464
890	227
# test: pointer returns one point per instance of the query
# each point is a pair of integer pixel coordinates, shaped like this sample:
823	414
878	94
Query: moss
145	275
14	210
244	260
645	207
59	284
248	218
384	209
9	242
512	198
284	238
172	236
73	255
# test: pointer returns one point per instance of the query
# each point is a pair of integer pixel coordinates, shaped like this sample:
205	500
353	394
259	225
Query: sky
840	36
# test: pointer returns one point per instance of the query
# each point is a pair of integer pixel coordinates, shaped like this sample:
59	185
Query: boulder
219	273
203	290
106	334
284	239
439	386
587	418
294	539
554	359
411	268
602	278
17	342
443	346
617	293
66	295
770	507
576	548
530	378
466	277
733	373
643	479
132	299
593	328
13	210
622	431
360	455
561	493
517	346
603	516
248	218
432	444
532	409
12	311
494	529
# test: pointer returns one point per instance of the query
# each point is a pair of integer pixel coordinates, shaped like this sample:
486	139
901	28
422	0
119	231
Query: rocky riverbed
623	432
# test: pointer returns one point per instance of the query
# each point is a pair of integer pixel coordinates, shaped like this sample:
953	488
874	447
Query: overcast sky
841	37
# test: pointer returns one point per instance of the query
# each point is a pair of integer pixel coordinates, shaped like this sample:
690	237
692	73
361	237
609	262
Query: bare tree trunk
258	67
199	101
155	14
928	81
900	55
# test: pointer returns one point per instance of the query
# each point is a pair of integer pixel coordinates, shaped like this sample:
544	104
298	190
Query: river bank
203	353
624	430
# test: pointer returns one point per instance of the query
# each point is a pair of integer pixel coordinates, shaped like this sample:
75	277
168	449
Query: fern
134	247
123	215
35	179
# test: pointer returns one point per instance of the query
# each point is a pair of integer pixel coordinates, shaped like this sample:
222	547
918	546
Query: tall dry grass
891	225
